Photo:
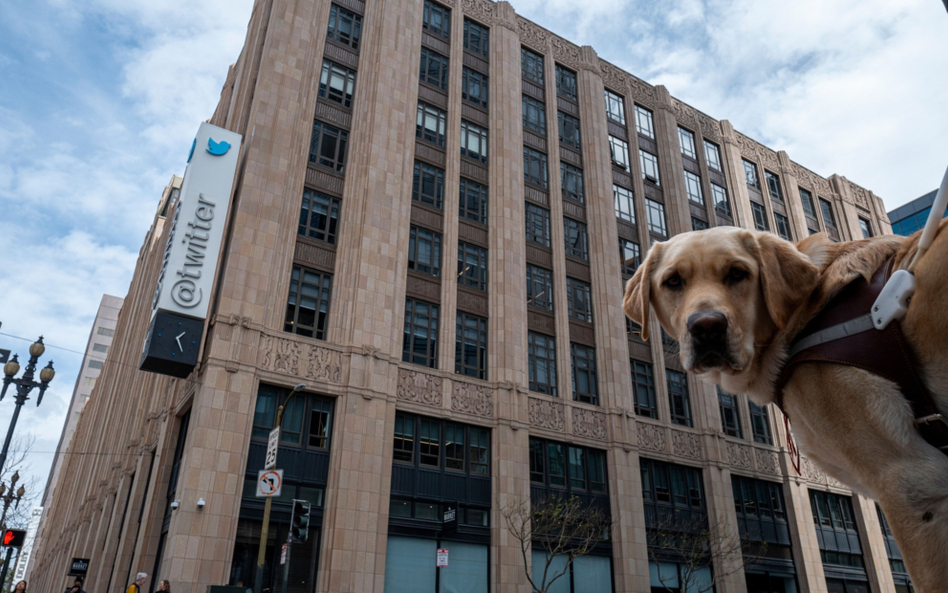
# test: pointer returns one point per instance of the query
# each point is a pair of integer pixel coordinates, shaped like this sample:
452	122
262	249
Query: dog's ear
787	277
638	290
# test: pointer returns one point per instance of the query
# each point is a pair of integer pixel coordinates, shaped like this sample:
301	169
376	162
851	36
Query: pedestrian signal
14	538
299	521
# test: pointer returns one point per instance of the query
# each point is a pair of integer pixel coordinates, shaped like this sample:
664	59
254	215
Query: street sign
273	444
269	483
283	555
79	567
442	557
449	521
4	355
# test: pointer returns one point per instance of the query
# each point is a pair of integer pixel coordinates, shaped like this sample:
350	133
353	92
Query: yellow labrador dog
735	299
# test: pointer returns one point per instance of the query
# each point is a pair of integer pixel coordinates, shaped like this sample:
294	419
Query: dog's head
721	293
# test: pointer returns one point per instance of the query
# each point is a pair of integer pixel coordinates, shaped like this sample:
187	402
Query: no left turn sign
269	483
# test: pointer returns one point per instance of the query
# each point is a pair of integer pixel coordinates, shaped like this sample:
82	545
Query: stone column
792	198
806	548
724	531
670	164
873	544
735	167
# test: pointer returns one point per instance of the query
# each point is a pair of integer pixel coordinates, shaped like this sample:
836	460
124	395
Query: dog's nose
707	326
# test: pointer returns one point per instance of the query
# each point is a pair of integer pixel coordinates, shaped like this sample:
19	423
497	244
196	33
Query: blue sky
100	99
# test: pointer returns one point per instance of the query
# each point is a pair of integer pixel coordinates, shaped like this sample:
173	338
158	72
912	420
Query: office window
437	19
585	386
534	115
773	186
687	140
828	219
721	204
760	423
319	217
577	242
649	167
760	217
806	198
441	444
615	107
473	201
473	141
420	345
307	306
476	38
670	484
558	465
428	185
431	123
104	331
643	389
539	288
625	205
579	300
619	150
750	174
783	226
470	354
100	348
337	83
345	26
429	443
404	446
424	251
730	414
678	397
566	82
693	187
474	87
472	266
713	154
534	167
538	224
571	182
630	257
569	130
643	122
697	224
656	217
865	227
531	64
541	356
95	364
328	146
434	69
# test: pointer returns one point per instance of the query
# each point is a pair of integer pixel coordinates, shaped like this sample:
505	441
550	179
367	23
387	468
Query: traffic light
15	537
299	521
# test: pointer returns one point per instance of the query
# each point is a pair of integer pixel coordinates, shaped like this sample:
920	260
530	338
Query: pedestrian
136	587
76	587
20	587
164	586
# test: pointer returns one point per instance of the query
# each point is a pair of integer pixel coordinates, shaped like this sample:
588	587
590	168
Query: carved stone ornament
685	113
547	414
533	35
651	437
282	355
472	399
371	351
589	423
861	195
810	180
566	53
613	77
324	365
746	145
686	444
738	455
482	10
418	387
642	93
240	320
811	472
767	461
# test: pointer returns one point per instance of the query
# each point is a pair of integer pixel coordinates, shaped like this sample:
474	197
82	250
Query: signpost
442	558
269	483
273	444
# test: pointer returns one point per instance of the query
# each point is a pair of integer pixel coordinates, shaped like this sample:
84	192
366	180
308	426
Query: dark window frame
693	188
773	186
566	83
437	19
424	114
539	278
339	16
624	199
474	87
417	237
760	423
541	352
782	226
537	217
650	168
319	217
619	152
482	45
322	302
326	136
470	339
583	365
730	414
644	396
534	114
760	217
546	454
475	448
679	399
333	70
427	331
472	266
569	133
655	210
579	300
714	162
644	122
428	177
535	167
722	204
571	183
629	249
686	139
751	174
473	202
613	100
470	132
433	69
576	238
531	66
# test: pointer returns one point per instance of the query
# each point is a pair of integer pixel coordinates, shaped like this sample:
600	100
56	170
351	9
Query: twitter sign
196	231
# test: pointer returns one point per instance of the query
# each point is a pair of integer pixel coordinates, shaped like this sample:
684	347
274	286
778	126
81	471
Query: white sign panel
23	560
269	483
194	240
442	557
273	445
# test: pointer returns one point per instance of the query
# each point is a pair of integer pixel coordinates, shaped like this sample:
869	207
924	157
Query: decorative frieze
767	461
419	387
589	423
482	10
534	36
810	471
472	399
810	180
547	414
860	195
651	437
738	455
566	53
686	444
301	359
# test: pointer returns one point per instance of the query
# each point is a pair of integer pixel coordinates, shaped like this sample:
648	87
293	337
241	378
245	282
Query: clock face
172	345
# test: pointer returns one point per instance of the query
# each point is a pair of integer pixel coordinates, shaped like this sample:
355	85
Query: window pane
541	352
656	217
619	151
713	154
649	167
643	122
534	115
476	38
531	64
565	82
615	107
538	224
625	206
437	19
687	141
750	174
539	287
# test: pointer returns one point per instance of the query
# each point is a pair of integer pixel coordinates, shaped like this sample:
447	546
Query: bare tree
695	547
558	526
18	514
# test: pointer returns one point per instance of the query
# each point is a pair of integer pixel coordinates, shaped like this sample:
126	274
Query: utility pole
265	528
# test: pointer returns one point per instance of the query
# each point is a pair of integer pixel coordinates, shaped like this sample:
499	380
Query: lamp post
24	385
9	496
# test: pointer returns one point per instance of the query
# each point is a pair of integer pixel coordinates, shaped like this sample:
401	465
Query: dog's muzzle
708	331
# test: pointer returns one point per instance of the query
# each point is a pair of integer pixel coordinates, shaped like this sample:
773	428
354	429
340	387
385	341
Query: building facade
911	217
381	139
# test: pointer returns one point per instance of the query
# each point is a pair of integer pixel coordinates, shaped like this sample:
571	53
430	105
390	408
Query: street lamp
24	385
8	496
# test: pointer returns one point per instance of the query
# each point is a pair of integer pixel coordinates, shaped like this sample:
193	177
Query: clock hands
178	340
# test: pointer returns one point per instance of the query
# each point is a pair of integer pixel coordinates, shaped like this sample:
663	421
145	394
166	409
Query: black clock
171	346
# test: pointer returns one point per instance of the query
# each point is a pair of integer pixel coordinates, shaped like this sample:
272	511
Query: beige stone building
509	184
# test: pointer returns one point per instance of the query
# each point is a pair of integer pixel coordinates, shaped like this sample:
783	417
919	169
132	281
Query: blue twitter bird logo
217	148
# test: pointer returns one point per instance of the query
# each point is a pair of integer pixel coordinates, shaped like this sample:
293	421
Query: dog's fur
855	425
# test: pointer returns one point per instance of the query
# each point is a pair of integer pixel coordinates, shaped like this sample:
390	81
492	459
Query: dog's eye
736	275
673	282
